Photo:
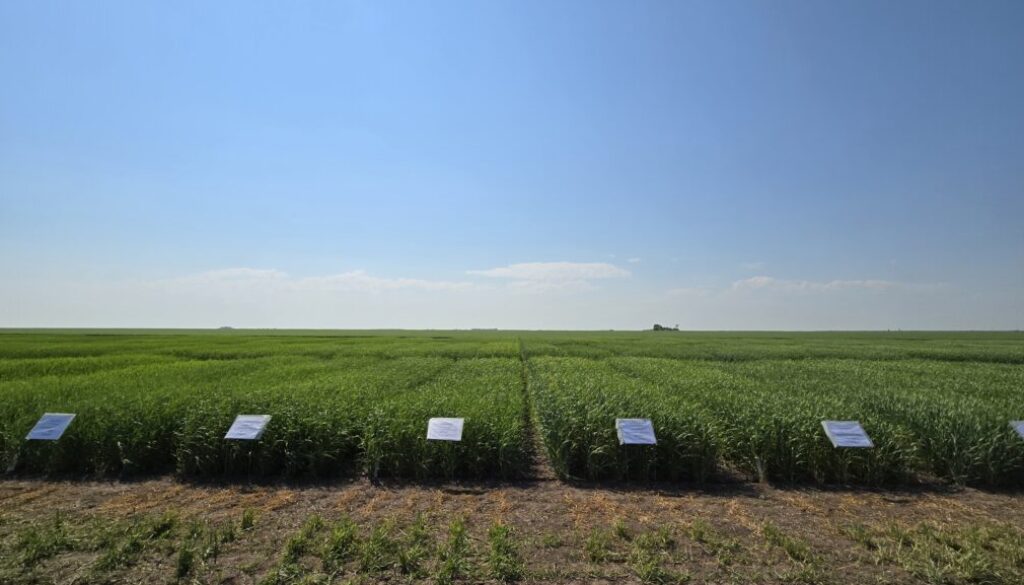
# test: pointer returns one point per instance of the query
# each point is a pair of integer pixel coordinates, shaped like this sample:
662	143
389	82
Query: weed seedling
454	555
504	560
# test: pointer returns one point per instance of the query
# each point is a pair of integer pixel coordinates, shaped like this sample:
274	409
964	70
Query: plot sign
847	433
635	431
248	427
50	427
444	429
1018	425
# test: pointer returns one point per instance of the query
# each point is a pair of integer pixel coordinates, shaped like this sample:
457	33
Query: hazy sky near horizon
567	165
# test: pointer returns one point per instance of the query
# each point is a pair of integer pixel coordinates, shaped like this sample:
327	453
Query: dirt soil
564	533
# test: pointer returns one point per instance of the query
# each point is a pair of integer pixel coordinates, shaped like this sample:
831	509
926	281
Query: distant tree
658	327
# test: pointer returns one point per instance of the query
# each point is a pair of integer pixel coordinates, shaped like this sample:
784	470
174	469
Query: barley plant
937	405
339	405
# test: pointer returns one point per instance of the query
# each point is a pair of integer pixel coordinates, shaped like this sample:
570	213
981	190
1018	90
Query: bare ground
563	533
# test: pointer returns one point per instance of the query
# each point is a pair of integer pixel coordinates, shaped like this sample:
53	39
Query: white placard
635	431
1018	425
444	429
847	433
51	426
248	427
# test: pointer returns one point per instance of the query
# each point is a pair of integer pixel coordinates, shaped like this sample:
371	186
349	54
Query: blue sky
718	165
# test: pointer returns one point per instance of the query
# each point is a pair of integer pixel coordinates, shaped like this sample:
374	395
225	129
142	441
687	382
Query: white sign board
248	427
444	429
1018	425
635	431
50	427
847	433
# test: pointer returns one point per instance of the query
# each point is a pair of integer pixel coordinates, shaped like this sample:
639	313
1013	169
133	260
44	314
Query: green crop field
937	405
340	404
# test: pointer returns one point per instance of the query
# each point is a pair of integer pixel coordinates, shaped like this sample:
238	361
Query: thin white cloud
771	284
778	284
550	286
228	276
752	265
267	279
690	291
553	277
245	297
554	271
634	260
359	280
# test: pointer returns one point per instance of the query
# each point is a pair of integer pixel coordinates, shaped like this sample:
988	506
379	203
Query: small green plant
795	548
649	570
598	546
248	519
186	559
342	544
700	531
454	555
724	548
980	553
621	530
227	533
301	542
658	540
378	551
648	554
134	541
860	534
504	559
552	540
414	549
210	544
43	541
283	574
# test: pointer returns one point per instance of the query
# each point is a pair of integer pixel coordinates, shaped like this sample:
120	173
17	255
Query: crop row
330	417
961	347
927	418
357	402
